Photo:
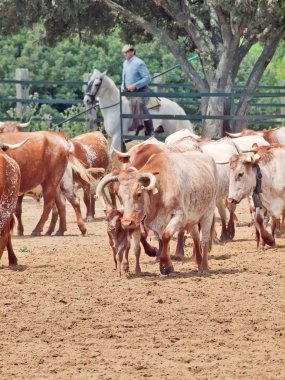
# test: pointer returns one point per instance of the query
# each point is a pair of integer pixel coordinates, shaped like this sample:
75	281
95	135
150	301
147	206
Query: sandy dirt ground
65	316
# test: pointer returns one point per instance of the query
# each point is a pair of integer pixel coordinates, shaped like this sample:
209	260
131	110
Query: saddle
153	103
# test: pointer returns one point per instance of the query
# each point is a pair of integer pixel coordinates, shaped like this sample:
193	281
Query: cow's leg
149	249
75	203
266	237
11	254
18	214
231	223
89	203
61	208
223	215
54	217
137	249
180	244
125	262
174	225
49	201
207	232
197	253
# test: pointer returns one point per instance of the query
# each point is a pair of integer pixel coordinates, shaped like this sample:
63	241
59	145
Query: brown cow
91	149
9	189
13	126
42	161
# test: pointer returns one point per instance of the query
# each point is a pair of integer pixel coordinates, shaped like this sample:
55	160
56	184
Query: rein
73	117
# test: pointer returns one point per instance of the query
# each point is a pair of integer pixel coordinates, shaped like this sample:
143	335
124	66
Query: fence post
22	90
92	115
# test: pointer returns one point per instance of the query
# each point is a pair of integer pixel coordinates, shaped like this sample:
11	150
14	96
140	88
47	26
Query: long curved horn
104	181
121	154
222	162
252	150
152	180
5	146
25	125
239	134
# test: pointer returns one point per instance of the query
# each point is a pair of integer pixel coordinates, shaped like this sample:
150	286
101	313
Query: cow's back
187	181
92	149
41	157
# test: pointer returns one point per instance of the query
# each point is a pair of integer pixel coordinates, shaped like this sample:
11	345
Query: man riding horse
136	77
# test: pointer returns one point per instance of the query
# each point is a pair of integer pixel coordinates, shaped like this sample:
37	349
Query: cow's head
242	176
134	191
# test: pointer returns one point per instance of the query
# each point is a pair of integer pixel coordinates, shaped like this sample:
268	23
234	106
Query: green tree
222	32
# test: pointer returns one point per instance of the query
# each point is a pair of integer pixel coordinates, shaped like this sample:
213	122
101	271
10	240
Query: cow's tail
85	174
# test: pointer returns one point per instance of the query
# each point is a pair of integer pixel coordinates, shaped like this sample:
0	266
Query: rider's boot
148	128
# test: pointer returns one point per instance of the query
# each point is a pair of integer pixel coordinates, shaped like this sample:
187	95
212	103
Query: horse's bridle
96	87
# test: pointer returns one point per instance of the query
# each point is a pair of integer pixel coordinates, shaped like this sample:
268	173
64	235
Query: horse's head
93	87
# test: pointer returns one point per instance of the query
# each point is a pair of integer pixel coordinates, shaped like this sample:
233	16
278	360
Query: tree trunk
213	128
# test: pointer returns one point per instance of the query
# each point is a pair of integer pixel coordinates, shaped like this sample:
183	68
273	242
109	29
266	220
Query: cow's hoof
166	270
48	233
89	219
59	233
35	233
84	231
271	243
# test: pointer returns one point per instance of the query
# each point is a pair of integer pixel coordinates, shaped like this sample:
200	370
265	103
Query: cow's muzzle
130	223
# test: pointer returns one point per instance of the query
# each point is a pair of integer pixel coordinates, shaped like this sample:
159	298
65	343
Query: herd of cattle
168	188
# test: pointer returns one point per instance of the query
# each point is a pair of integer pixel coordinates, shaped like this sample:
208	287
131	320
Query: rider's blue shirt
135	72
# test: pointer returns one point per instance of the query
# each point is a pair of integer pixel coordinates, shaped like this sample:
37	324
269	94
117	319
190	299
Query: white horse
102	87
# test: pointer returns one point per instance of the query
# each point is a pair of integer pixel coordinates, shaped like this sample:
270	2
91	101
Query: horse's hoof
166	270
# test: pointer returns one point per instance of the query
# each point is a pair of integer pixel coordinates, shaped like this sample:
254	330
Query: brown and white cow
42	161
272	136
167	206
13	126
10	178
245	170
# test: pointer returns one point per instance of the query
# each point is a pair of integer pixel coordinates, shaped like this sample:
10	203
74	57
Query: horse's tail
186	124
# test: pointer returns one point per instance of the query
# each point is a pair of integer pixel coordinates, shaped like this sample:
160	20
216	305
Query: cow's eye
240	174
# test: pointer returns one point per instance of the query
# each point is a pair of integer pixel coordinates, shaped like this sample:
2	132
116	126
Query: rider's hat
127	48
